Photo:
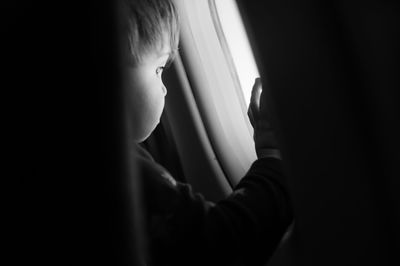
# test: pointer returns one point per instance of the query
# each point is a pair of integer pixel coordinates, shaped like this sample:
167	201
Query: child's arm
245	228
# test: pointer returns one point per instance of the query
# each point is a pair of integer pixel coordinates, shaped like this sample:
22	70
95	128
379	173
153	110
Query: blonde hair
147	23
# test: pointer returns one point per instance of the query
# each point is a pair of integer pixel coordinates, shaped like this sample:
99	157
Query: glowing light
239	46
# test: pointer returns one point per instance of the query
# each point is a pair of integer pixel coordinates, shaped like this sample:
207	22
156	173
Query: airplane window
238	49
216	70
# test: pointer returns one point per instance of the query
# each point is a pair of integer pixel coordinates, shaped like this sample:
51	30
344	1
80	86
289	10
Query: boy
184	228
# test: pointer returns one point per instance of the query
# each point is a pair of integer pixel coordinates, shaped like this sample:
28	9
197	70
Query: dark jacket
243	229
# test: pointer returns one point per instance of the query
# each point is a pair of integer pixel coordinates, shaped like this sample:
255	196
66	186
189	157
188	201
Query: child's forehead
159	49
158	52
164	45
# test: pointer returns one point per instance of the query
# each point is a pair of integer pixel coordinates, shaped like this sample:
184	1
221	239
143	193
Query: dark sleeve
243	229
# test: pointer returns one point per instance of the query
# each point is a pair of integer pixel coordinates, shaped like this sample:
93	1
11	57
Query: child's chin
145	134
142	138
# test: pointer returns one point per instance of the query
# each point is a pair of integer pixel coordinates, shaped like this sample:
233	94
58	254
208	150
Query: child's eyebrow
171	57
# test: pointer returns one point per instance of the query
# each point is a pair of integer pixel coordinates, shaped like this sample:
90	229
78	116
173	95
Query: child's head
151	23
153	36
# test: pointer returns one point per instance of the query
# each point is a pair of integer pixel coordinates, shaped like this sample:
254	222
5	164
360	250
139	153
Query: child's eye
159	70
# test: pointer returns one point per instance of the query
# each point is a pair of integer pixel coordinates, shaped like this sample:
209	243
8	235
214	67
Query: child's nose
164	90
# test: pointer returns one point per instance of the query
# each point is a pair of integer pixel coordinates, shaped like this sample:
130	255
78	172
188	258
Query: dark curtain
330	70
73	201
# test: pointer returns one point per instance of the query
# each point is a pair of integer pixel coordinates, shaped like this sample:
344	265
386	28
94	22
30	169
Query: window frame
217	95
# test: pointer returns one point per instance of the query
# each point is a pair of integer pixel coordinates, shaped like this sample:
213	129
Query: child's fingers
254	107
255	94
251	116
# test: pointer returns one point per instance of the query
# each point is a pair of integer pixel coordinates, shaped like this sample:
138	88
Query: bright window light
214	81
238	44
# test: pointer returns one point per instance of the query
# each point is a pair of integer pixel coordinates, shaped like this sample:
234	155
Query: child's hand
264	139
